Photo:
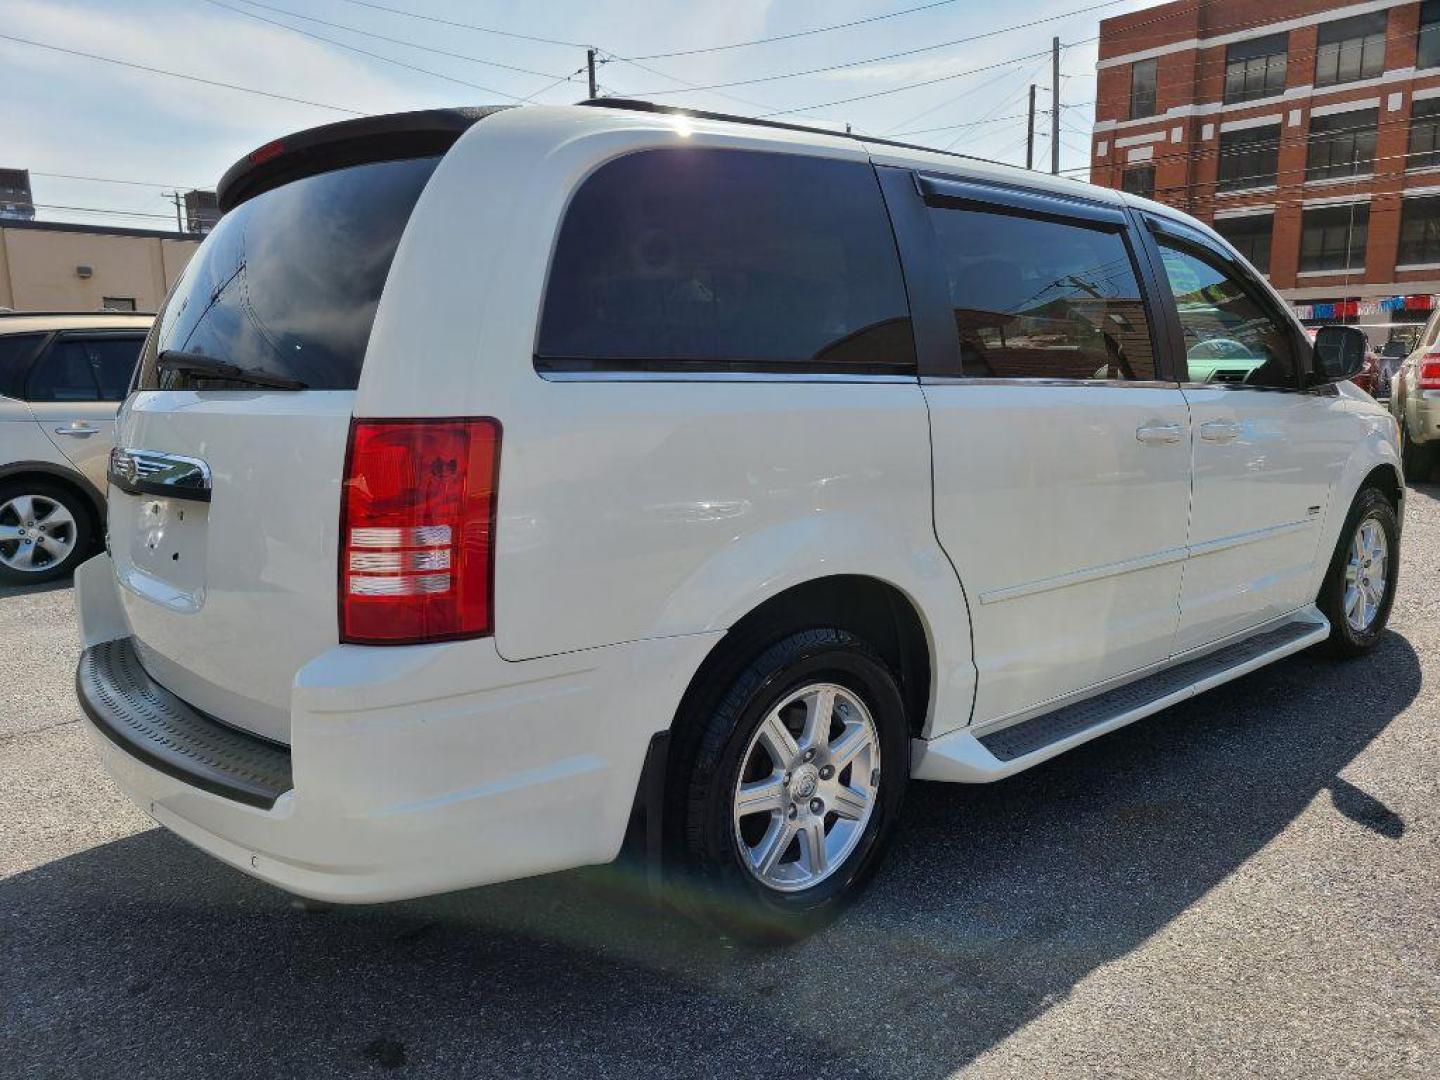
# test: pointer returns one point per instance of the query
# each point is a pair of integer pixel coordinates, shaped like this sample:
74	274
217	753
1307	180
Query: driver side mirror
1339	353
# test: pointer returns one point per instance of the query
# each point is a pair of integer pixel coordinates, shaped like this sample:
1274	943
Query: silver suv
62	377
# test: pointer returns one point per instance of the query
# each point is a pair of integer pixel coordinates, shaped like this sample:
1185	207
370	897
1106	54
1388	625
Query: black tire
83	532
713	883
1345	640
1418	459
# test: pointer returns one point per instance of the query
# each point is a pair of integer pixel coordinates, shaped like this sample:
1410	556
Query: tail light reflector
1430	372
417	530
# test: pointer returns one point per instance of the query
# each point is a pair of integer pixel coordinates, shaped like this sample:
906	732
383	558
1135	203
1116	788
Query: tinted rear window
16	351
288	282
726	260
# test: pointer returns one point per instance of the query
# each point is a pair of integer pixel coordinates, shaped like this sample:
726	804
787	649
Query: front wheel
792	787
1359	587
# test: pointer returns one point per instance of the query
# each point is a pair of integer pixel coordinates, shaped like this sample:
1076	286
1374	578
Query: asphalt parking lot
1246	885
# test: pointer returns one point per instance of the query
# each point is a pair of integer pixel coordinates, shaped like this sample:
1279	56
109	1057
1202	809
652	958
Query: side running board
970	758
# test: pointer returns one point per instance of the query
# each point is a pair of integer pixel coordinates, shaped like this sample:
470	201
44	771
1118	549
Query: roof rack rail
639	105
19	313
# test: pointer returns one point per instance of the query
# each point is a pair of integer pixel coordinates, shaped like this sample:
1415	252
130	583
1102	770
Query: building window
1139	181
1255	68
1334	237
1427	52
118	303
1424	150
1420	231
1249	158
1342	144
1142	88
1350	49
1250	236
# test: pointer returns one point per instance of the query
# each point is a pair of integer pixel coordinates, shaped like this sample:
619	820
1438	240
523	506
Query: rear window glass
288	282
723	260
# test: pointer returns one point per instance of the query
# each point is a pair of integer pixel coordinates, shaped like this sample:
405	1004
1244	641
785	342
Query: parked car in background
532	480
1415	402
62	377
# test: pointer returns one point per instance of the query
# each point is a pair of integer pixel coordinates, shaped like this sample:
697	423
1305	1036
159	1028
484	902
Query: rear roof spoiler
390	137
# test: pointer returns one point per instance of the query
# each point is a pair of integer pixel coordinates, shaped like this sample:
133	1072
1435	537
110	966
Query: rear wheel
790	786
1359	587
45	532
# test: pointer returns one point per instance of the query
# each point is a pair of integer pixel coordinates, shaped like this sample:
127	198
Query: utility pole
590	67
1055	106
1030	132
175	197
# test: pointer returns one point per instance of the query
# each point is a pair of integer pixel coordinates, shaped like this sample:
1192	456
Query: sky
70	116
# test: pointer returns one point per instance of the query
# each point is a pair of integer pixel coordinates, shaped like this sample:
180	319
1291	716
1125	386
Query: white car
502	484
62	378
1415	402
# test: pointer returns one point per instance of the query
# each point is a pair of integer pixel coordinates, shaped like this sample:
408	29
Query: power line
363	52
109	180
403	41
467	26
181	75
864	21
884	57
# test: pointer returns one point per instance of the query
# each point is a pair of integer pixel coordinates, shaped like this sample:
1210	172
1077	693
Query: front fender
1377	447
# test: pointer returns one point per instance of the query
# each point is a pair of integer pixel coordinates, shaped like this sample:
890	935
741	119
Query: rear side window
114	363
15	353
1038	299
288	282
726	260
64	374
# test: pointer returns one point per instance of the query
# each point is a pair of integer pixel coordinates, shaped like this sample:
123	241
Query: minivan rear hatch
225	484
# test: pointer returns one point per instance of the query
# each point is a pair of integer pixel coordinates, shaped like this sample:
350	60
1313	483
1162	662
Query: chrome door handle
1159	434
1220	431
78	430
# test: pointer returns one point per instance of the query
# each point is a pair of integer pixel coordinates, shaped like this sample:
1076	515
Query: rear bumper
414	770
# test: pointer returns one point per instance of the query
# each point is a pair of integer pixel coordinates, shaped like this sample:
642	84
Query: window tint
1342	144
1250	236
1255	68
1420	231
1249	157
1142	88
1334	237
288	282
1424	148
1230	337
726	260
1427	49
1350	49
1139	181
114	363
16	351
64	373
1038	299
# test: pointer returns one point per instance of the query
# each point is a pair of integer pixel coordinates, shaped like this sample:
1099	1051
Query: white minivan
501	486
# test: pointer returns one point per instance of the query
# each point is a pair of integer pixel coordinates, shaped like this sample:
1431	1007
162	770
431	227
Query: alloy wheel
807	787
37	533
1365	574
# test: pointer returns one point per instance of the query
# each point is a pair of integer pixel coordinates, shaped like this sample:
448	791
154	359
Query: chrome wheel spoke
850	745
24	507
850	803
813	849
778	741
9	532
54	547
24	557
765	856
760	796
819	712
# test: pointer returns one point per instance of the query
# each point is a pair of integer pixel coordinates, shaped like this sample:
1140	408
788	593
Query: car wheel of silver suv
45	531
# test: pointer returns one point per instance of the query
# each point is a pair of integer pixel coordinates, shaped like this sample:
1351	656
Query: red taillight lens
1430	373
417	530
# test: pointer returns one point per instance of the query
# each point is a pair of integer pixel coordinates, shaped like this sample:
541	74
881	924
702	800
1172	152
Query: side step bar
966	757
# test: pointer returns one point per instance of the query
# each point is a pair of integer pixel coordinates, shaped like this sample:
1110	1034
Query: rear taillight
417	530
1429	372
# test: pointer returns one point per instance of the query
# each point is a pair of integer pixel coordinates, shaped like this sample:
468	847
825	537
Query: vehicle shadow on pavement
143	957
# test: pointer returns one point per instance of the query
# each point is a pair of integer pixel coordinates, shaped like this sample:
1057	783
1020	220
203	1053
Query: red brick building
1306	131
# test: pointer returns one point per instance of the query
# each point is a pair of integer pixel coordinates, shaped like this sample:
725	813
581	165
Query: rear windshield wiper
209	367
